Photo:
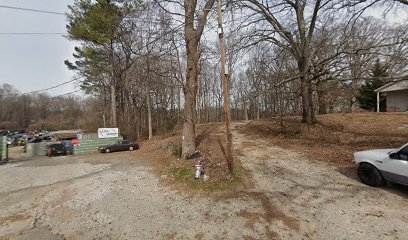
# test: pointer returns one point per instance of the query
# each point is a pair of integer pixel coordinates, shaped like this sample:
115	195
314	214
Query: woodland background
140	63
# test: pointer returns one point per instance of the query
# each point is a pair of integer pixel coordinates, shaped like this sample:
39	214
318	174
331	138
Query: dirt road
117	196
327	202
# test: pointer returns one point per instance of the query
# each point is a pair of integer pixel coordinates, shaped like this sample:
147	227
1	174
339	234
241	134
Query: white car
375	167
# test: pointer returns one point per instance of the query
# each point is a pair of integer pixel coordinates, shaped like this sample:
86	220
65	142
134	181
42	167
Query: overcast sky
33	62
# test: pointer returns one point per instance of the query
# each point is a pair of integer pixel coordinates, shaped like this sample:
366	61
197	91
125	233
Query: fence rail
86	146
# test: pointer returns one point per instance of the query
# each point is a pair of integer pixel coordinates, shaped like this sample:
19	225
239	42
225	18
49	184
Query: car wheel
131	149
107	150
370	175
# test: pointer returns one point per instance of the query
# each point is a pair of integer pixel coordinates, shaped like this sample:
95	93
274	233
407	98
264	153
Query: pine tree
98	25
367	96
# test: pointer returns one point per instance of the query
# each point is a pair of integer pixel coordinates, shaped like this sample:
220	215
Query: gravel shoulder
118	196
114	196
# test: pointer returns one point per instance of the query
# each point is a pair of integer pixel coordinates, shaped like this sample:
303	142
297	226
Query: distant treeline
38	111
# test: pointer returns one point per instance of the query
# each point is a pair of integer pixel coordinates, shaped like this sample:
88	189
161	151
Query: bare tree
294	34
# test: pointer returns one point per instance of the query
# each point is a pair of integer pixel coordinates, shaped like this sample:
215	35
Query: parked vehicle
10	141
35	140
22	141
46	138
69	147
375	167
122	145
56	149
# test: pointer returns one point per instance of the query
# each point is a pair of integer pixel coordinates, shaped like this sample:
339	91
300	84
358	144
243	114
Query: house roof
393	86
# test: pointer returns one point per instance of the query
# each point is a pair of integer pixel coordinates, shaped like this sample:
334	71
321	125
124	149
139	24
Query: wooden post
226	93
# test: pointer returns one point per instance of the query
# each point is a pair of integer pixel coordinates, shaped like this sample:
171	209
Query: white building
396	94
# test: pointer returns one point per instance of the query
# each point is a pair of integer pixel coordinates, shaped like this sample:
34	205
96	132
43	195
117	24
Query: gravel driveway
327	202
117	196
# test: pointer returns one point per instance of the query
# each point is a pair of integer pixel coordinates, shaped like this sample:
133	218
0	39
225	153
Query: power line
32	10
64	94
46	89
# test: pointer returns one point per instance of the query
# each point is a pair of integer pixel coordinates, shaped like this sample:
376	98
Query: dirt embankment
177	172
335	137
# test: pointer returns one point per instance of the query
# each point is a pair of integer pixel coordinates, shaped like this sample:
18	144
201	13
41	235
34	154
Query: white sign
108	132
79	136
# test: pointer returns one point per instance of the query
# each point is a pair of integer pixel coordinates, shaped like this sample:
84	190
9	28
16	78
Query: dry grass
336	136
179	172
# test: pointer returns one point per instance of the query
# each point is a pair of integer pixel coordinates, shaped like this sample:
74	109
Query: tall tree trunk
190	92
148	102
192	37
246	111
114	120
311	112
321	100
356	76
244	103
198	101
113	87
172	100
178	102
306	93
257	107
149	113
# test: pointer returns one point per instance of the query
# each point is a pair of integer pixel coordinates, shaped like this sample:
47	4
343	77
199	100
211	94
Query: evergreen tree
367	96
98	25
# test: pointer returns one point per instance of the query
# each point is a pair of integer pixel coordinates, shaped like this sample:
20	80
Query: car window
404	150
59	146
403	153
125	142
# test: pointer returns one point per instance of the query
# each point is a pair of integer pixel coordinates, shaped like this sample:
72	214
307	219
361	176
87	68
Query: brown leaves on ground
210	141
335	137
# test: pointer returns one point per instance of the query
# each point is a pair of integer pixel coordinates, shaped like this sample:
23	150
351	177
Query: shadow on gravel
393	188
397	189
349	172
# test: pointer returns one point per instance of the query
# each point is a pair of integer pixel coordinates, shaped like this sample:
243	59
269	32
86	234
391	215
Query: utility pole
226	93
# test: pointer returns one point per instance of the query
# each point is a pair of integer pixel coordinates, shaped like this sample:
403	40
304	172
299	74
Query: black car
122	145
56	149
